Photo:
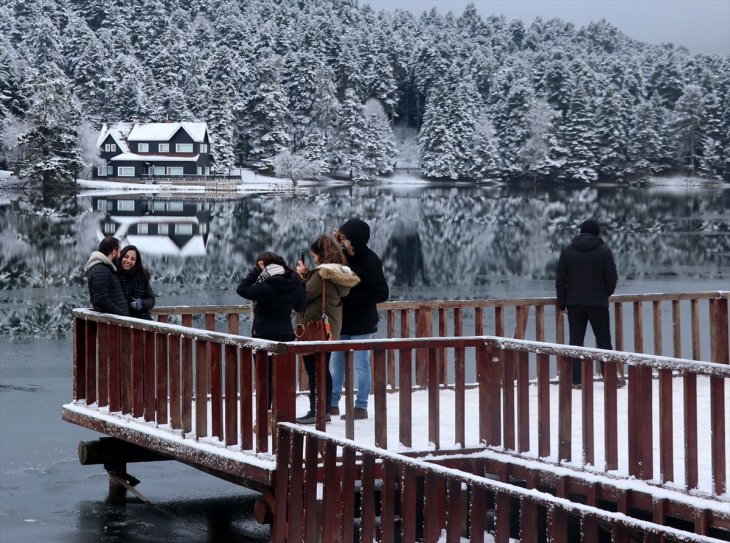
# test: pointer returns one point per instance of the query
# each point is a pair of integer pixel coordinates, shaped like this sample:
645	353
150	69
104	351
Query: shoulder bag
315	330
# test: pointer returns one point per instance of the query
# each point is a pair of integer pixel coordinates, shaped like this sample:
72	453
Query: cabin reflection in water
157	226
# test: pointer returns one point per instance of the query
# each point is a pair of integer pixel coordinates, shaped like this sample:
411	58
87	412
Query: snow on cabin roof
165	131
133	157
118	131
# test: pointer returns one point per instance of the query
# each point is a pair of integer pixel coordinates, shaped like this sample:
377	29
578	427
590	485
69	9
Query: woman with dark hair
135	280
275	290
334	278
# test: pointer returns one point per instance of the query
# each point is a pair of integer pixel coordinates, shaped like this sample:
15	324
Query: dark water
436	242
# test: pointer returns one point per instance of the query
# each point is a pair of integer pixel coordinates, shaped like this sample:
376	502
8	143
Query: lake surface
436	242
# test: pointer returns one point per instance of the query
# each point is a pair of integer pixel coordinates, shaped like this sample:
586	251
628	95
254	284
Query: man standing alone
359	311
585	278
105	290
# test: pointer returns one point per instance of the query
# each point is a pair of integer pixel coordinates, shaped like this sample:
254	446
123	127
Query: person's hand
261	265
302	269
136	304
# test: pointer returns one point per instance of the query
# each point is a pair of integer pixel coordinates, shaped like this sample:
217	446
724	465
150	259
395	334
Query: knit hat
356	231
590	227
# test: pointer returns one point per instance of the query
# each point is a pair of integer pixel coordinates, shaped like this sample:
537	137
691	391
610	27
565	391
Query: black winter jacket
105	291
586	273
359	311
274	300
136	285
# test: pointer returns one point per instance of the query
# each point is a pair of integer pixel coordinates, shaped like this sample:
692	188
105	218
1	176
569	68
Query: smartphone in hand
301	256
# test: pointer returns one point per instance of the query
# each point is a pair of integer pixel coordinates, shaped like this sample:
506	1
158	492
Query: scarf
270	271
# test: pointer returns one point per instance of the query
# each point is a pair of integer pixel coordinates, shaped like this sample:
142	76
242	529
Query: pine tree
612	128
687	121
541	144
381	149
645	137
220	127
578	139
352	130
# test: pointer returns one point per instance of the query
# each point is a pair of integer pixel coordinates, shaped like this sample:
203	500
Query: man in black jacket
585	278
105	290
359	311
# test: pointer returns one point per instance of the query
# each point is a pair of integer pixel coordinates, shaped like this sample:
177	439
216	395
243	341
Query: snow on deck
365	435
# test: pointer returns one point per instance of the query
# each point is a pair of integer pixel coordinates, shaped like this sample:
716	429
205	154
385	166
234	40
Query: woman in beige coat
329	262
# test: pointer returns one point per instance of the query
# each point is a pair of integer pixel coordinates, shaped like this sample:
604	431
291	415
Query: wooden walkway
187	391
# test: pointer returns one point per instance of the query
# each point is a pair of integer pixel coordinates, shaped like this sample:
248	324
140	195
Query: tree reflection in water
436	241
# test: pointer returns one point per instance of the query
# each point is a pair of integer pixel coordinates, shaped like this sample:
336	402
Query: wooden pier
185	388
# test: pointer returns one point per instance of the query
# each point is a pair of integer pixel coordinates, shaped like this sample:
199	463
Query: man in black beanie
585	278
359	311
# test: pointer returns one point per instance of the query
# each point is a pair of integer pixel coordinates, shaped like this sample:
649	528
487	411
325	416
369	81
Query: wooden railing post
720	353
79	369
424	327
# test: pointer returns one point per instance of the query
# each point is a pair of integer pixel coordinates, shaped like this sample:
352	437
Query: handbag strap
324	297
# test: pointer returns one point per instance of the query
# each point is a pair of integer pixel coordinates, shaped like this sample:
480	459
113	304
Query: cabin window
142	228
163	229
183	147
158	170
184	229
101	205
175	170
110	228
164	147
110	147
103	171
143	147
200	170
174	206
203	147
125	205
125	171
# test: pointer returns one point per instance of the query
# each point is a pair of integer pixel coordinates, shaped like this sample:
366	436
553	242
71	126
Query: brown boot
358	414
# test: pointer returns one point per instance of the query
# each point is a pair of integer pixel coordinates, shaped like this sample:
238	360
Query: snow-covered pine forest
339	87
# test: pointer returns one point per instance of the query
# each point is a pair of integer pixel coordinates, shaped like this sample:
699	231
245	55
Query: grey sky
702	26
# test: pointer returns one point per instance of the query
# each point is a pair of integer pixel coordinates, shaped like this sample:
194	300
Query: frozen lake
443	241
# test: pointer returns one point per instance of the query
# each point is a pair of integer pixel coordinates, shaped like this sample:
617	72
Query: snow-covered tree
535	154
687	121
294	166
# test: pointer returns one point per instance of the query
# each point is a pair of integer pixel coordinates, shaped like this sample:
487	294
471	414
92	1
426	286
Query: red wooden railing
315	489
177	375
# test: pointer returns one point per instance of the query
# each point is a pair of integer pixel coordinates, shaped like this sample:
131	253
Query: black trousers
578	318
310	362
270	370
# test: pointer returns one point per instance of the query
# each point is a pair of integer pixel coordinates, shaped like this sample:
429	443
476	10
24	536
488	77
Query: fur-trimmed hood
337	273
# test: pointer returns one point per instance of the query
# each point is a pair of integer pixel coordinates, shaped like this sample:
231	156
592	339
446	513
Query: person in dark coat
105	290
275	290
359	311
135	281
585	278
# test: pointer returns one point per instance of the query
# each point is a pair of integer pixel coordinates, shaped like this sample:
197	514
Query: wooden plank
162	369
565	408
405	416
282	486
233	323
90	338
349	394
186	367
311	522
245	415
441	352
103	365
587	421
529	520
676	329
523	401
149	389
125	368
618	312
434	508
387	498
646	432
390	330
503	517
508	399
330	492
455	511
79	369
230	402
478	514
666	427
459	382
695	320
380	400
285	389
261	405
216	390
657	313
424	328
349	475
689	385
115	400
434	435
202	365
610	416
174	365
138	350
296	495
367	499
409	503
543	388
633	415
719	442
590	526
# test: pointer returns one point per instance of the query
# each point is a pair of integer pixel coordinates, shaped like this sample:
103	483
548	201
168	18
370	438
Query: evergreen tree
352	130
612	127
578	139
646	140
380	147
541	144
687	121
220	127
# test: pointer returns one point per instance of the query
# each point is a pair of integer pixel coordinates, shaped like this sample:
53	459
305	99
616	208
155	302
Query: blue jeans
361	361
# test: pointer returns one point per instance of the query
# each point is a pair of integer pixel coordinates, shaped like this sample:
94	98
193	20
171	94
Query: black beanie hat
356	231
590	227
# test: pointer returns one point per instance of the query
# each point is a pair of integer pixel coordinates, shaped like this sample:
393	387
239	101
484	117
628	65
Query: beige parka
338	281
